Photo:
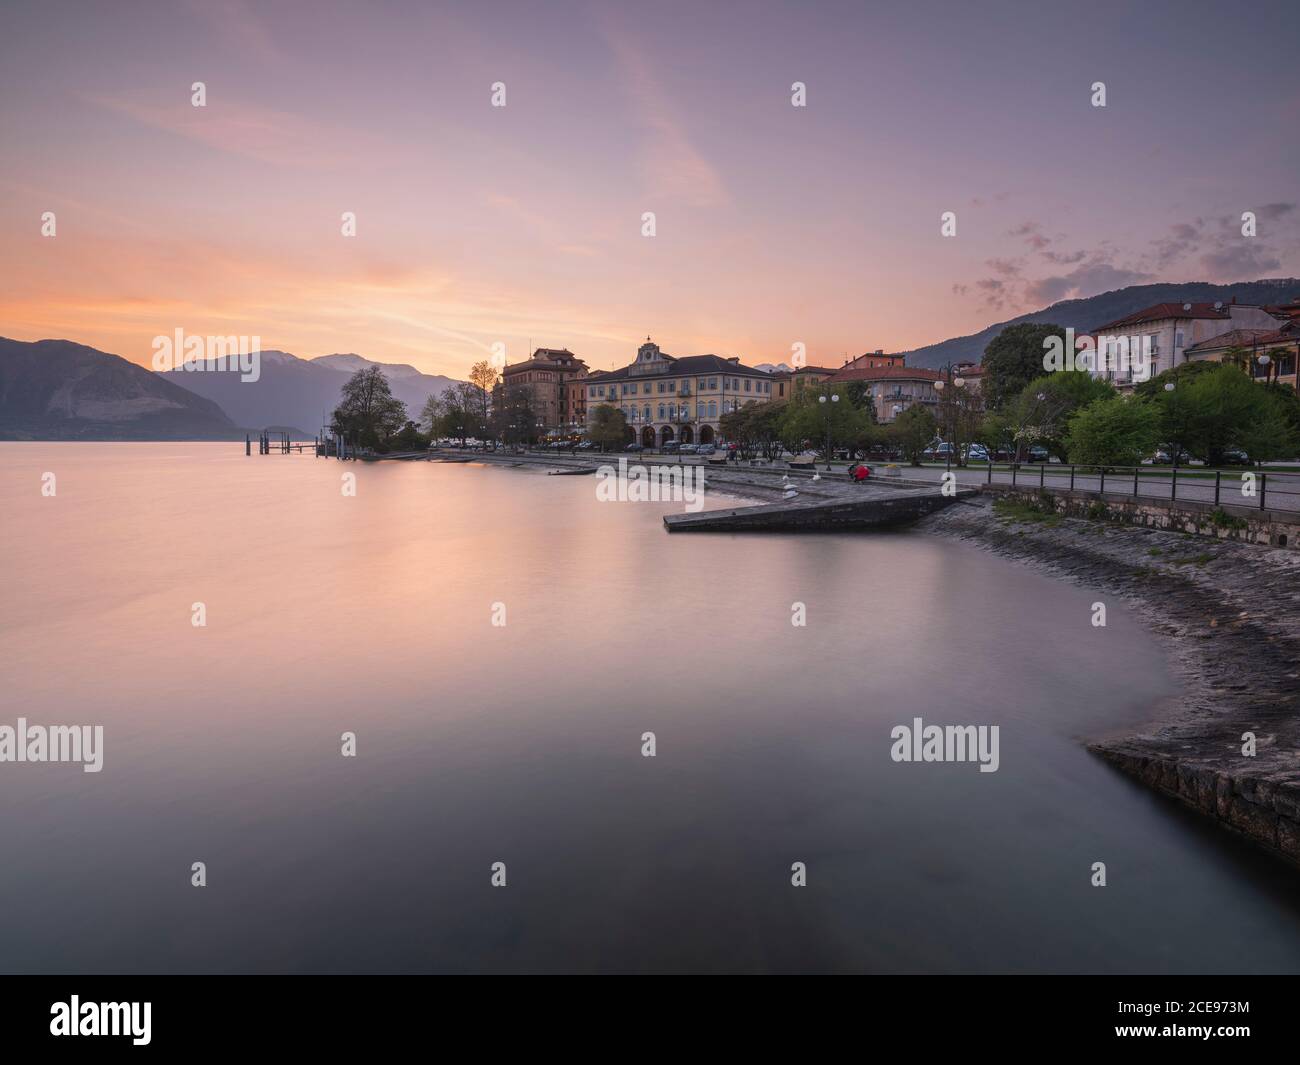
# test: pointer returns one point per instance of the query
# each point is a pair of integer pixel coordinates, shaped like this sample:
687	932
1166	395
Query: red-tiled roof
688	365
1162	311
1247	338
884	373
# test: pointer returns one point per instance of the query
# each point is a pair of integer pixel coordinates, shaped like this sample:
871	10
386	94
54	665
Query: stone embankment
822	502
1229	614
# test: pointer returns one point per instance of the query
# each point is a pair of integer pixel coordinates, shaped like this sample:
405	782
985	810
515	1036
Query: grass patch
1015	510
1221	519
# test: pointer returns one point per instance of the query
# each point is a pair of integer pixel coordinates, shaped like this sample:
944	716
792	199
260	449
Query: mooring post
248	443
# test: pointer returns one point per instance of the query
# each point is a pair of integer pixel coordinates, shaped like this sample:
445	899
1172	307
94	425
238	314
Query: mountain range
1087	314
60	390
300	393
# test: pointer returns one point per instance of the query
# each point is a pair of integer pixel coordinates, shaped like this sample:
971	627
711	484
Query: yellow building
667	399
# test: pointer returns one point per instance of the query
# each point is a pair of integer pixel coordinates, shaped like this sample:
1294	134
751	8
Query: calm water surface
521	744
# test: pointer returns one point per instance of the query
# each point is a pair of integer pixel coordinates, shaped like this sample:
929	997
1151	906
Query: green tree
513	419
960	411
809	420
1213	407
1119	431
912	431
368	414
1013	358
408	438
756	428
1042	410
459	412
1184	373
608	429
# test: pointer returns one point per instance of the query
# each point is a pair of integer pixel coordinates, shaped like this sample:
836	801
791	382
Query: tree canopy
1013	358
368	414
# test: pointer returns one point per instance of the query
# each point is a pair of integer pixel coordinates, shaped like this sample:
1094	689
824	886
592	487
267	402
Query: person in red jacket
859	472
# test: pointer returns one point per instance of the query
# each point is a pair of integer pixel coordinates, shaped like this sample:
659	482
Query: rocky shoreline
1229	615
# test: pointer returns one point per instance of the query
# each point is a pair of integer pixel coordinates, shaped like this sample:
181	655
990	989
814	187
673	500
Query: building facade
667	399
875	360
893	388
552	376
1282	346
786	382
1169	330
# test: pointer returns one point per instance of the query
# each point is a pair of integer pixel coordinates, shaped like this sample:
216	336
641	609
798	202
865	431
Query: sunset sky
522	224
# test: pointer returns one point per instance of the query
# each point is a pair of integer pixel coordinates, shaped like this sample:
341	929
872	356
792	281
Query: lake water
522	744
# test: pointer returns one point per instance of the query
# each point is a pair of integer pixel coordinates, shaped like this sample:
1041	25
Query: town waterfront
521	743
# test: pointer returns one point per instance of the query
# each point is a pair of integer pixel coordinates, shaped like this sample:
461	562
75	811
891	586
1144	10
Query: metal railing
1256	488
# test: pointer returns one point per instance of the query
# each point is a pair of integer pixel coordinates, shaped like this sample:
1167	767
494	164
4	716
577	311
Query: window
713	382
1178	339
713	408
746	384
661	412
661	387
672	386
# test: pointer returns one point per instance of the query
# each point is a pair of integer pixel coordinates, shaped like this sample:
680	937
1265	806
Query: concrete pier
874	508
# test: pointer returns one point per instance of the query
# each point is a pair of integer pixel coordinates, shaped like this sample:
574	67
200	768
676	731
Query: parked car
939	452
1037	453
705	449
976	453
585	445
669	447
1235	456
634	447
1161	458
689	449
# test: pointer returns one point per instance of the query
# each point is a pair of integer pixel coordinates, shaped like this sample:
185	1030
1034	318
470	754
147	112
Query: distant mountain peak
351	362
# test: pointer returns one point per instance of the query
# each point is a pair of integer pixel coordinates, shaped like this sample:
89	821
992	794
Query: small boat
572	472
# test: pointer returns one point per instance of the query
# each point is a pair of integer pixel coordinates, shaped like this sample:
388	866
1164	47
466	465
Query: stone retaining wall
1273	528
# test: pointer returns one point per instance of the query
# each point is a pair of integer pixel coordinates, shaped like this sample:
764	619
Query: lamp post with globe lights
951	409
834	398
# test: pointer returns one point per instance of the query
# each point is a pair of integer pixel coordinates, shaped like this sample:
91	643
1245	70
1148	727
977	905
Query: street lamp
835	398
